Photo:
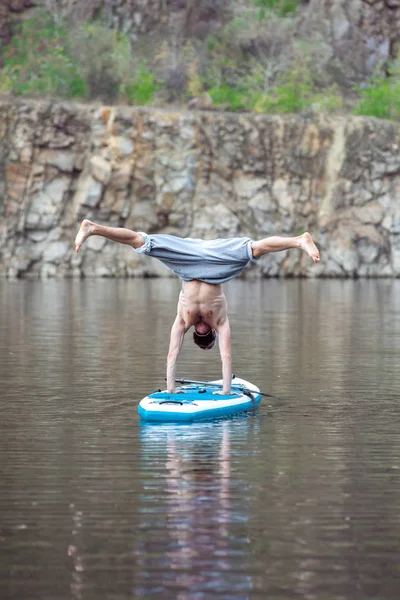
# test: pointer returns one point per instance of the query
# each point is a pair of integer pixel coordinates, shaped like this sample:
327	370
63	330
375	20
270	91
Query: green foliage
233	98
225	59
142	87
105	58
38	61
380	98
295	93
240	66
282	8
330	100
91	60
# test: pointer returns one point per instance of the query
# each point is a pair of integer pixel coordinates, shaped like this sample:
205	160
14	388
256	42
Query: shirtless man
203	266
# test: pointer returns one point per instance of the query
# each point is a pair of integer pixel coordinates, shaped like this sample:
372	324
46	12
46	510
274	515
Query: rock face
361	33
195	174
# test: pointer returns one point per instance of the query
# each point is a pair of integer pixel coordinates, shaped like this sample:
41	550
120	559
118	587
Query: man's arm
177	334
224	341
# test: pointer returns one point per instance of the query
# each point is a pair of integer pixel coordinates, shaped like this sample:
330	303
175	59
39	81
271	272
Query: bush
90	60
105	58
225	59
233	98
142	87
248	54
380	98
329	101
295	93
280	7
38	61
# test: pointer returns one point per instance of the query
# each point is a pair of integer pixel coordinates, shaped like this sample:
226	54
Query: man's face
202	328
204	336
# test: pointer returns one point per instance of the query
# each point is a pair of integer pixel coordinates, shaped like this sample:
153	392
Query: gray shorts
212	261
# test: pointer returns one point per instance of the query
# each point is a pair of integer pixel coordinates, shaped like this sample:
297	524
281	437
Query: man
203	266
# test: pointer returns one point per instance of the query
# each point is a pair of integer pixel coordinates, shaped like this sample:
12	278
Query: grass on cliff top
281	7
380	97
254	63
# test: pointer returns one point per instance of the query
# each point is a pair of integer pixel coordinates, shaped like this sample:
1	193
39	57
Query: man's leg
116	234
277	244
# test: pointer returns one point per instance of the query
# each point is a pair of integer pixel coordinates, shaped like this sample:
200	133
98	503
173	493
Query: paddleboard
198	401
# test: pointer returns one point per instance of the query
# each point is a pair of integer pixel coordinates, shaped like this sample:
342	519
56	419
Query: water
299	500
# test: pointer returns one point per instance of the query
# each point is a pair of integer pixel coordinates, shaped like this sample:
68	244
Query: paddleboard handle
171	402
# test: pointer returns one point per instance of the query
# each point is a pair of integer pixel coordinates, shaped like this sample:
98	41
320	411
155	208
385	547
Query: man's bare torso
202	302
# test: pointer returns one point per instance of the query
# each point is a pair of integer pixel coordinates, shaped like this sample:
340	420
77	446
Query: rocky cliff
195	174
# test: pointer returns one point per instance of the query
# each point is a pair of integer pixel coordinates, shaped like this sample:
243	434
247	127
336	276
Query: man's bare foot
307	244
85	230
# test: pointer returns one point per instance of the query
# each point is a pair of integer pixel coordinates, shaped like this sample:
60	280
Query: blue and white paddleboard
198	402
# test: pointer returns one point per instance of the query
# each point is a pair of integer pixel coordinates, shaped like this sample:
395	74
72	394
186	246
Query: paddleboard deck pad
198	401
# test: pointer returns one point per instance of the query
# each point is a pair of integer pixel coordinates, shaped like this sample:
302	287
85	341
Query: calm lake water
299	500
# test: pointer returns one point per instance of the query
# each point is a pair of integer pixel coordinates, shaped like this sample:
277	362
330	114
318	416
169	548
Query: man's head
204	337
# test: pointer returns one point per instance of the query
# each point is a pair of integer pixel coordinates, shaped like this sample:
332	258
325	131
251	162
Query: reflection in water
299	500
195	550
77	586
